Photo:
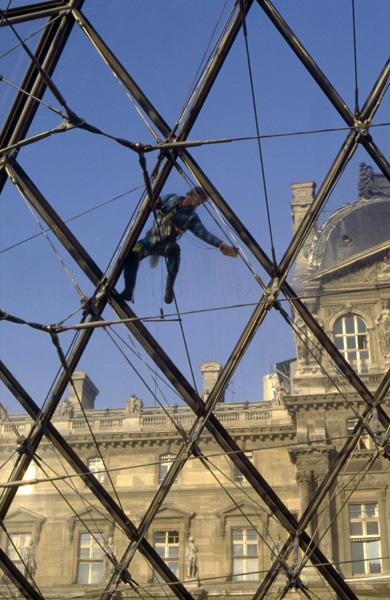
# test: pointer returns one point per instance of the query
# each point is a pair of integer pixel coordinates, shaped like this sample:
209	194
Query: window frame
100	476
246	574
165	460
365	538
90	561
347	337
238	476
167	559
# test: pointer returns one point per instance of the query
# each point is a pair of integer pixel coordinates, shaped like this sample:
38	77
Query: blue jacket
176	219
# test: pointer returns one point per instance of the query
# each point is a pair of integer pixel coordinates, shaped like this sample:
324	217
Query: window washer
175	214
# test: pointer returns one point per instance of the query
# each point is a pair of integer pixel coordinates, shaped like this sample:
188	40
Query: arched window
350	337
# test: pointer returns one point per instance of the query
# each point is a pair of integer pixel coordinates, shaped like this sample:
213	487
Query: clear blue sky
161	44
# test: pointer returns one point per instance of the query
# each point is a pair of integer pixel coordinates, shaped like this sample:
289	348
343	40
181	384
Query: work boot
169	288
130	276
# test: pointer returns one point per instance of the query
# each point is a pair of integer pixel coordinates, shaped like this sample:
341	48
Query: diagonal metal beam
31	12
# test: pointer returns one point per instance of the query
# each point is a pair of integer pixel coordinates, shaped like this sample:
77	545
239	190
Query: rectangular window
238	476
365	538
90	559
16	545
244	555
166	544
96	466
165	464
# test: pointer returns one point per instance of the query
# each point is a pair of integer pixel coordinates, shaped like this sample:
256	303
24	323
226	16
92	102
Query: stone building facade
216	535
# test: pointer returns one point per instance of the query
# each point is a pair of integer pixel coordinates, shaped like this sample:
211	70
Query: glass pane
163	471
356	529
96	572
351	342
338	327
173	537
338	341
159	537
361	326
84	539
373	555
372	528
251	534
252	550
238	550
355	511
349	324
173	552
238	568
371	510
82	576
357	556
251	568
97	553
237	534
84	553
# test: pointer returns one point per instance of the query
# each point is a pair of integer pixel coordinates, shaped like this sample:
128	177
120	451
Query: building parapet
150	418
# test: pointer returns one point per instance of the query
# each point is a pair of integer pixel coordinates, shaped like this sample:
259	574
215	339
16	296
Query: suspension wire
177	426
64	364
46	78
148	367
26	39
4	581
49	106
202	73
73	218
258	134
5	12
197	78
51	244
124	88
355	60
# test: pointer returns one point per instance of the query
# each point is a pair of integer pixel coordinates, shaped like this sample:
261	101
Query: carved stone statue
134	404
192	559
384	268
30	566
3	412
108	566
275	548
65	409
383	323
280	391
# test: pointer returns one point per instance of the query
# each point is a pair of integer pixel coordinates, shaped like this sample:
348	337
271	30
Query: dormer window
350	337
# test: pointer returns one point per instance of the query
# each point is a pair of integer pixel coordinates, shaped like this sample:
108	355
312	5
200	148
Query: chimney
302	197
85	391
210	371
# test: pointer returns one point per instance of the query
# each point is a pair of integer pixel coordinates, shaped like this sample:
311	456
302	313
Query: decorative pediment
25	520
237	511
90	515
171	514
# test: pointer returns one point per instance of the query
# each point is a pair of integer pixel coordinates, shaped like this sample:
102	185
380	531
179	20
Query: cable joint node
362	127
